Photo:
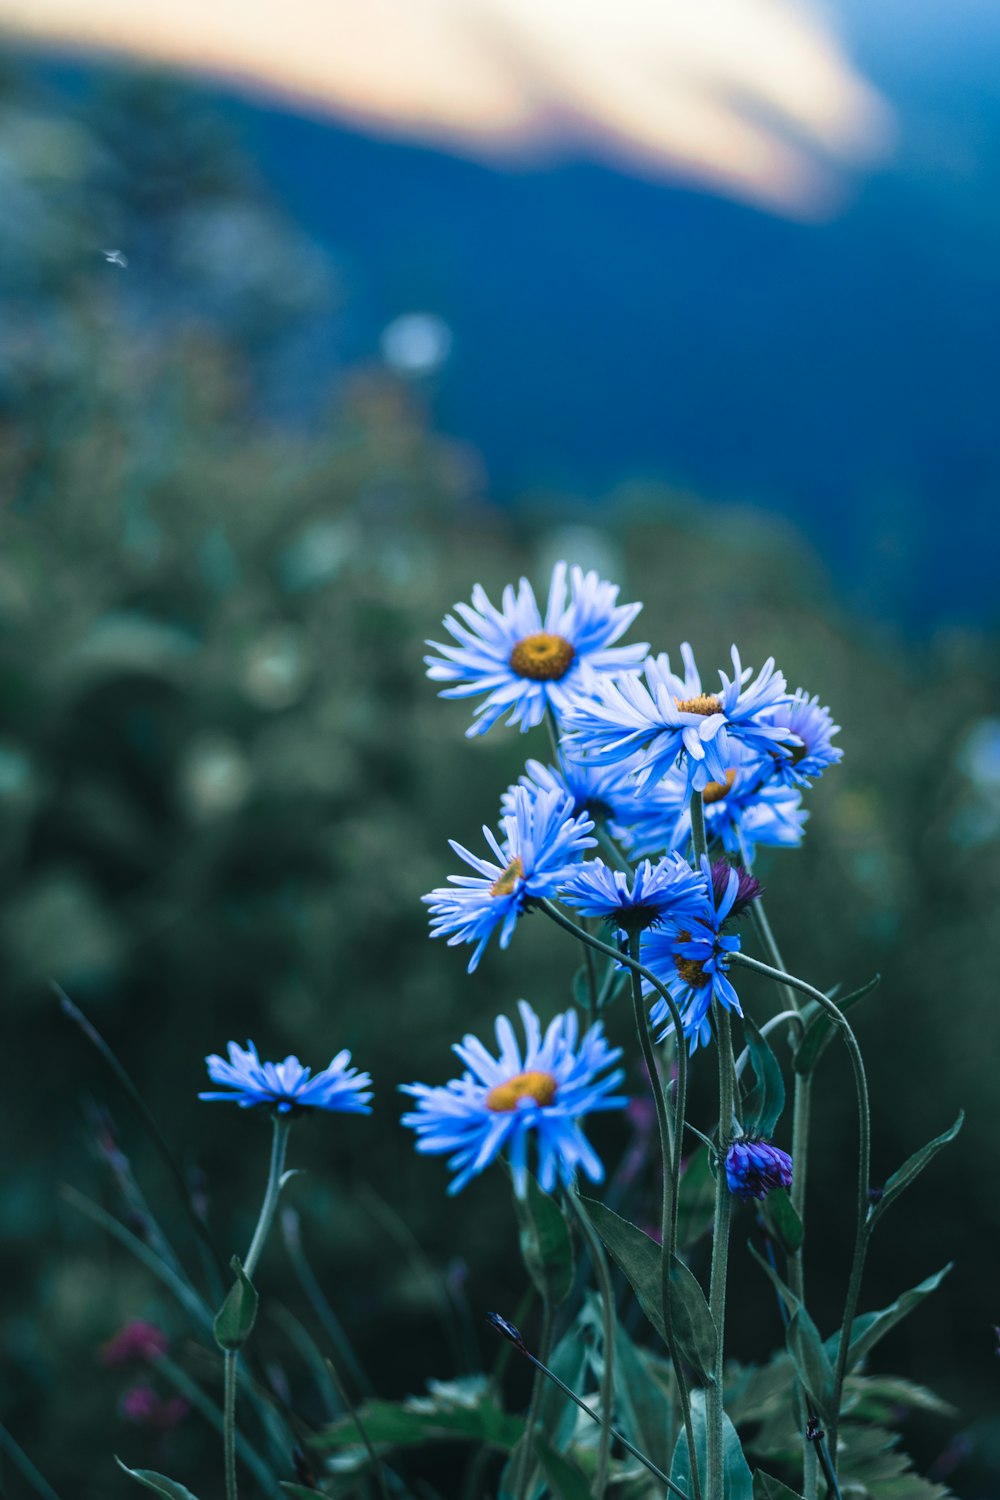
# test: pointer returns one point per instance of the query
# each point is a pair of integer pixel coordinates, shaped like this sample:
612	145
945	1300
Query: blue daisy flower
754	1167
654	892
499	1102
648	726
811	749
744	810
288	1086
542	840
604	793
526	664
690	956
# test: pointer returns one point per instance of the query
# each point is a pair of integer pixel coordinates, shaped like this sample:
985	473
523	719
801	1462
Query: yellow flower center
507	1096
690	969
506	884
543	657
705	703
716	791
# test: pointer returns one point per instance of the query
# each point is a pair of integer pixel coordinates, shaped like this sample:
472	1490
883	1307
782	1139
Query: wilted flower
499	1102
542	840
288	1086
525	664
754	1167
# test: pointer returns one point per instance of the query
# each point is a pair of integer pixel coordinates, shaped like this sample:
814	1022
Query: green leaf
911	1169
639	1258
237	1315
158	1483
872	1465
767	1488
565	1478
423	1419
546	1244
770	1084
696	1200
643	1401
870	1327
737	1482
781	1219
812	1361
557	1416
819	1031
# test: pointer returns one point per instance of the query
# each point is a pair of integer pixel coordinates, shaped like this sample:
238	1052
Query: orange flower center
690	969
507	1096
506	884
705	703
543	657
716	791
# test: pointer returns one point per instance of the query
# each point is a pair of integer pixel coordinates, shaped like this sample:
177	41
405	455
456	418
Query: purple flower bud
747	891
754	1167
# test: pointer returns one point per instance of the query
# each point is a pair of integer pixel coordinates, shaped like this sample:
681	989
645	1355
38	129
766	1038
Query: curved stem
522	1487
699	845
864	1165
600	1263
720	1251
229	1423
279	1146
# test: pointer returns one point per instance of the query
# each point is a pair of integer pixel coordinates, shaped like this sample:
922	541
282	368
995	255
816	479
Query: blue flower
656	891
288	1086
690	956
499	1102
604	793
525	664
542	840
744	810
754	1167
647	727
812	749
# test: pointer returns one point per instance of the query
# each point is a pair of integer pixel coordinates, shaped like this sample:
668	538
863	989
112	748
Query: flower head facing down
653	893
690	956
754	1167
500	1102
525	664
287	1086
542	840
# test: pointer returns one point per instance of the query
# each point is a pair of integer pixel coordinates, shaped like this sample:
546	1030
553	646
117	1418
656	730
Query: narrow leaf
781	1219
784	1291
546	1244
565	1478
737	1482
811	1360
770	1092
820	1030
911	1169
870	1327
158	1483
401	1424
767	1488
693	1324
237	1315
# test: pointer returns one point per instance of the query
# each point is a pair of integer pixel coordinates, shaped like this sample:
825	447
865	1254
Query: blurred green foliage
225	784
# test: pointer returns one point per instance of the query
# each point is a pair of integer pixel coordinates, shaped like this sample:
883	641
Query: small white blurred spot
115	258
416	343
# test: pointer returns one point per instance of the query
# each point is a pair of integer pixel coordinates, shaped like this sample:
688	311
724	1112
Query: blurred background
312	320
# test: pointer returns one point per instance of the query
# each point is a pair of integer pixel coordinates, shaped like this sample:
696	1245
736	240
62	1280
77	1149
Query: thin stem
229	1423
349	1406
279	1146
193	1393
524	1469
864	1166
592	996
670	1193
22	1462
698	844
600	1263
720	1250
322	1311
621	1438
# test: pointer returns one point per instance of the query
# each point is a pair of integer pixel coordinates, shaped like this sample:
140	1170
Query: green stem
698	844
193	1393
864	1166
524	1469
229	1423
600	1264
279	1146
592	997
720	1250
671	1159
23	1463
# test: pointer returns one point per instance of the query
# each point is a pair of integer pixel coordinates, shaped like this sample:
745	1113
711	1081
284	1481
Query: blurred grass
225	784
